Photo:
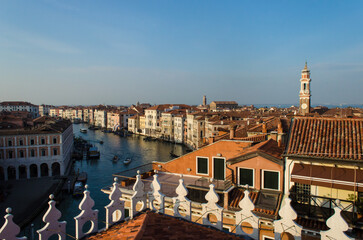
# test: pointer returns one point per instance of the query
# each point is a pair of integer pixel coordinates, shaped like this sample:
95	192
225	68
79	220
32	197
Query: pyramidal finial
306	65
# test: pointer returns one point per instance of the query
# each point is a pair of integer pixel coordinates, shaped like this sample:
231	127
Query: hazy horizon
121	52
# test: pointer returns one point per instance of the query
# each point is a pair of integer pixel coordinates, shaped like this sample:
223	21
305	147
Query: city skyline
66	52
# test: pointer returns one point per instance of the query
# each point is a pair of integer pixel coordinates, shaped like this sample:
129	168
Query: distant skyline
121	52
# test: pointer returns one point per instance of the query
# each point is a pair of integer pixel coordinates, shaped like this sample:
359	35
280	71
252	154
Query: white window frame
196	164
263	180
267	238
224	173
253	177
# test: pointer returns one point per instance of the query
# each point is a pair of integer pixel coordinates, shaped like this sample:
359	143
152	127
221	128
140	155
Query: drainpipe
225	197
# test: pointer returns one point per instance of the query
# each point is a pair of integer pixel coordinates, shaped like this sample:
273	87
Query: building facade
45	150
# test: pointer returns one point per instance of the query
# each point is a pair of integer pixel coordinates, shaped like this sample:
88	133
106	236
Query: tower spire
306	65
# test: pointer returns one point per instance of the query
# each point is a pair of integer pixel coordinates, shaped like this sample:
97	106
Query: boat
78	188
115	158
83	130
127	161
93	153
82	177
101	142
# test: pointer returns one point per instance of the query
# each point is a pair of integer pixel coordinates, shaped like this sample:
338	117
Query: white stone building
45	150
20	106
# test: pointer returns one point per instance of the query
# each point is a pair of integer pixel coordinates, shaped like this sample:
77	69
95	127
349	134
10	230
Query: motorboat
115	158
83	130
78	188
93	153
127	161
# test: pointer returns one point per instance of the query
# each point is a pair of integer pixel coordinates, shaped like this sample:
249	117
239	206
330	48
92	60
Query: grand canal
100	171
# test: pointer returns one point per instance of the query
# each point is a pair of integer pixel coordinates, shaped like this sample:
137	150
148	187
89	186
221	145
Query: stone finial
115	211
52	225
287	223
337	226
9	230
87	214
182	201
211	207
139	195
247	216
155	195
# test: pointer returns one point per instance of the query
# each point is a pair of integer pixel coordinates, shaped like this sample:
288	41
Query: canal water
100	171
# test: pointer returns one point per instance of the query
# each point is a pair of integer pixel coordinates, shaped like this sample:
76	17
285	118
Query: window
54	140
43	152
21	142
55	151
202	165
267	238
10	143
271	180
246	177
21	153
10	154
32	153
42	141
32	141
302	192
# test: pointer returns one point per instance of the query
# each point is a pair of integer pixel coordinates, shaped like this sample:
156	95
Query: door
218	168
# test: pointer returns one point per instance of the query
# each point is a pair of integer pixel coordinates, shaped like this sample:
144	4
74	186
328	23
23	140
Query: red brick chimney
232	131
264	127
279	127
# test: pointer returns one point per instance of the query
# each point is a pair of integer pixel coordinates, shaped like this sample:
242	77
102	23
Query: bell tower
305	92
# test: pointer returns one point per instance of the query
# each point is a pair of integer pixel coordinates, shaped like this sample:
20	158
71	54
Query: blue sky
121	52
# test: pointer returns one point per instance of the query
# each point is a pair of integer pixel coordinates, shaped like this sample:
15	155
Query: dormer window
271	180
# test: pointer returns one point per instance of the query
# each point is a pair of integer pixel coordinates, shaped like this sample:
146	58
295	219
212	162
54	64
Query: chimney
232	131
264	127
279	143
279	128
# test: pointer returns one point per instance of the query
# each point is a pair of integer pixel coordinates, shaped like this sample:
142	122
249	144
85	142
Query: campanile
305	92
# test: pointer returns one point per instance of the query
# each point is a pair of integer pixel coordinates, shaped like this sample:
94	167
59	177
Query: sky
121	52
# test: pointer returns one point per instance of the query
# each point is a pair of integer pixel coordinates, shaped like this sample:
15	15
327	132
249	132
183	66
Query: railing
323	207
221	185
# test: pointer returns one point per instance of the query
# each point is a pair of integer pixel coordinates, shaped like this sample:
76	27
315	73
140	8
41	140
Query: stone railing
115	212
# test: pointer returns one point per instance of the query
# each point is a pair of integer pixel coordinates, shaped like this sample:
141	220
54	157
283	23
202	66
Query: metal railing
323	207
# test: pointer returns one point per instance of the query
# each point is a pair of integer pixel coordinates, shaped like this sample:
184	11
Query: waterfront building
56	112
19	106
125	115
219	105
113	120
100	118
38	151
44	110
142	124
305	93
134	124
179	127
153	115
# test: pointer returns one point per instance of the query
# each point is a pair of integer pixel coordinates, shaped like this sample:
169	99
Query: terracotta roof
326	138
16	103
269	147
225	102
151	225
237	194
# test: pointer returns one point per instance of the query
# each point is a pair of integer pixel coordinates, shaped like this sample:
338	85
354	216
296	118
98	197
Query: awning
332	177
